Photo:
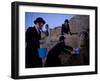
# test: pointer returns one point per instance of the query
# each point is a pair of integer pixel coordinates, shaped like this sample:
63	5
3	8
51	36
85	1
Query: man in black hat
53	58
65	28
33	35
56	54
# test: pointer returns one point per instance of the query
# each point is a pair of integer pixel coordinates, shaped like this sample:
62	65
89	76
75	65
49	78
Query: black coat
52	58
65	29
32	45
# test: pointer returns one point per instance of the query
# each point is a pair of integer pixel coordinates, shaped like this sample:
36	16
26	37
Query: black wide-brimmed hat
39	19
61	38
66	20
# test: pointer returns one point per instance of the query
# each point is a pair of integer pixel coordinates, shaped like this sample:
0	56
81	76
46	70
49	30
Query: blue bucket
77	50
42	52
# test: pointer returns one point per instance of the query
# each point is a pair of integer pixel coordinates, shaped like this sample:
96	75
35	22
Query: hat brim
36	21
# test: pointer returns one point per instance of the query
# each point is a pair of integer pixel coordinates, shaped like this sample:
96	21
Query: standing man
65	28
33	37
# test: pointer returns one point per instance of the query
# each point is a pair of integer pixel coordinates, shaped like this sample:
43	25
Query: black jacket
52	58
32	45
65	29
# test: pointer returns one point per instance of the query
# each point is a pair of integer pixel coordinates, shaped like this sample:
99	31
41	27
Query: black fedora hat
66	20
61	38
39	19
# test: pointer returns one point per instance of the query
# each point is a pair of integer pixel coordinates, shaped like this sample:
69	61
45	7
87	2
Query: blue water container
77	50
42	52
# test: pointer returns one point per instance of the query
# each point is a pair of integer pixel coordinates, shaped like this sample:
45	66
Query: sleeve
68	28
62	32
28	34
